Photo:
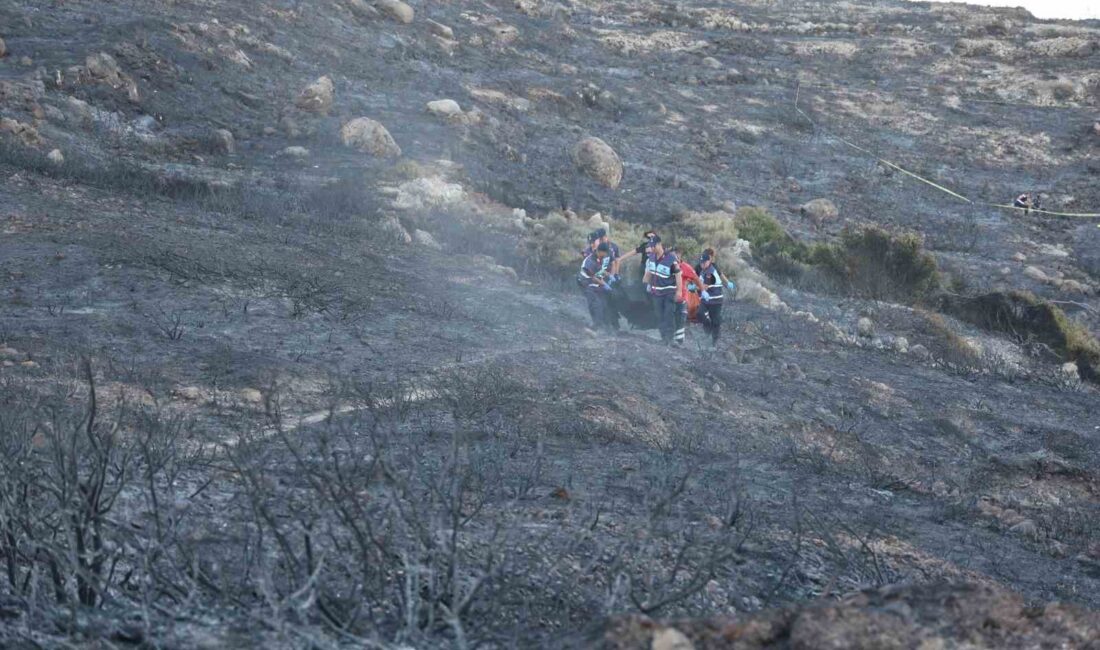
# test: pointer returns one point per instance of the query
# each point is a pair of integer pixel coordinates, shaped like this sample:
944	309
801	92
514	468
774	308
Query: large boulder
599	161
396	10
369	136
317	96
819	211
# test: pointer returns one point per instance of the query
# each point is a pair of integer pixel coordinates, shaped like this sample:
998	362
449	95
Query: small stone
29	364
3	48
901	344
712	62
920	352
424	238
1026	528
8	352
819	211
316	97
1019	257
295	152
1069	372
189	393
396	10
224	142
391	227
103	66
865	327
26	61
670	638
361	9
251	395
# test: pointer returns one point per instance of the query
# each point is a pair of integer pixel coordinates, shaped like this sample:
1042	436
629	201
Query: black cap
655	239
592	236
603	248
705	258
600	232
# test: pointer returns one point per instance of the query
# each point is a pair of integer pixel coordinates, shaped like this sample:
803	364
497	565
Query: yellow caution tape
1085	215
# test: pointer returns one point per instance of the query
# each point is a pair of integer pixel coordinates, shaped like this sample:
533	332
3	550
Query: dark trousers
599	307
712	319
666	309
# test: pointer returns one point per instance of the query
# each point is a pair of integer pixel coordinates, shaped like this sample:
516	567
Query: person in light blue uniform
593	277
663	277
711	294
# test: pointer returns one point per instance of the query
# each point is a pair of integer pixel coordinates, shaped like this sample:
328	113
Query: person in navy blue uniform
663	278
594	277
710	294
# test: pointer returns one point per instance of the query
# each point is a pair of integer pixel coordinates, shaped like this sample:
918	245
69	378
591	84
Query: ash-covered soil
263	388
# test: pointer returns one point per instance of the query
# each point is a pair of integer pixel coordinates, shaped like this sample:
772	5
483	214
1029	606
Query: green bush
766	234
882	265
1024	317
868	261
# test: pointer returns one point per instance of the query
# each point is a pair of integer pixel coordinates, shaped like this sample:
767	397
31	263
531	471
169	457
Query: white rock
901	344
753	291
670	638
447	108
865	327
432	192
1037	274
251	395
920	352
1069	372
56	157
396	10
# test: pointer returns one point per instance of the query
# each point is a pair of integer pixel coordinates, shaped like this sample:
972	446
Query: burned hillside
292	354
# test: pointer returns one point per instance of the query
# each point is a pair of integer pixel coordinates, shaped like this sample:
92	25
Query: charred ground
239	409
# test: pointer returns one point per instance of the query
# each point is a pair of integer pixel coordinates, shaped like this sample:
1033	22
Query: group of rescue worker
666	279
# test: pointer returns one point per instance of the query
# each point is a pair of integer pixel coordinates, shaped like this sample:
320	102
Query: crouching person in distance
710	294
593	278
663	278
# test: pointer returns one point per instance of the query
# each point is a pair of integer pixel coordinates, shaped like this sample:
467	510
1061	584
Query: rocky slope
280	367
